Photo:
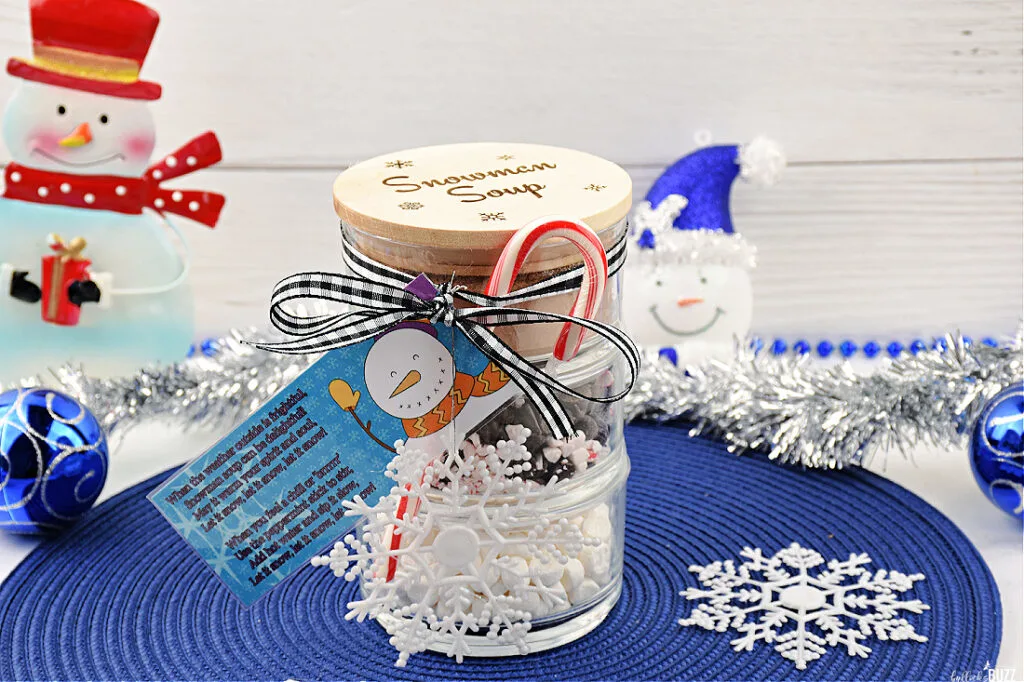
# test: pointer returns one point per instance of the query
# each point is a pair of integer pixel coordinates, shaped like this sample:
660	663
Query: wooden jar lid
475	196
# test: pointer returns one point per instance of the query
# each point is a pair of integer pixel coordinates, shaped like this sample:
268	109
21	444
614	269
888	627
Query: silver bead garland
799	412
829	417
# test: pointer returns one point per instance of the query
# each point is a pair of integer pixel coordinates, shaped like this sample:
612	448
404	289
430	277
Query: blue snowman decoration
997	450
688	281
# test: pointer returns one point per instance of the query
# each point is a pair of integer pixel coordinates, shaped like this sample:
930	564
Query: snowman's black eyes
104	119
703	280
61	110
657	283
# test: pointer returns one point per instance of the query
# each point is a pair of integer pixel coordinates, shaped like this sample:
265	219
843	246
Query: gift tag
269	497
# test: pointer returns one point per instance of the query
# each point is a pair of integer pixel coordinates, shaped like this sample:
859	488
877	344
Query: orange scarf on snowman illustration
465	387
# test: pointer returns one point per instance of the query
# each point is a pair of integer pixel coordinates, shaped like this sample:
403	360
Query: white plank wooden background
901	213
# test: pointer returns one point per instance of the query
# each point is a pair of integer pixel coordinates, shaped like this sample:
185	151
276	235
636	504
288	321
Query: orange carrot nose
80	136
683	302
410	380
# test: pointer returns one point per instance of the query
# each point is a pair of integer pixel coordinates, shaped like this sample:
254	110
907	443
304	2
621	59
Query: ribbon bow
384	297
71	250
442	304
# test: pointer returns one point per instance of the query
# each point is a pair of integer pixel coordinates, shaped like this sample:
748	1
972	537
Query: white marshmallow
514	570
598	526
546	574
587	589
597	562
572	574
533	603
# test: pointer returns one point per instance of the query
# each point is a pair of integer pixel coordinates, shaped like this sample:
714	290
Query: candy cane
396	537
588	300
595	263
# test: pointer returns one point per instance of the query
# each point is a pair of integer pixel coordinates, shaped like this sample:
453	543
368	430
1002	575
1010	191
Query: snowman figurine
88	273
688	291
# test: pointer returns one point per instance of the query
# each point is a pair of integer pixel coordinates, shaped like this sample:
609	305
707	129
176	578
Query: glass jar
448	212
581	592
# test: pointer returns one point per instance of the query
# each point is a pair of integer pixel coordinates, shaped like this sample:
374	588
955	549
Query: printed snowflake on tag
458	549
803	611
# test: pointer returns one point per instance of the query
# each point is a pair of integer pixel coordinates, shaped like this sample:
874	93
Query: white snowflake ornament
803	609
461	548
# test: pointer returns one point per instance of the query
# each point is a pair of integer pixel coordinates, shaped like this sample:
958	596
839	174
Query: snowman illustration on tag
88	272
412	375
688	291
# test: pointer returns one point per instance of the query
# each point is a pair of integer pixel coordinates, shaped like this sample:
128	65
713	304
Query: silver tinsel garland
797	411
829	417
215	392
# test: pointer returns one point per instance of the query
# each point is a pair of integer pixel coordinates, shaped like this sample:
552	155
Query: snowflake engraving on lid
803	609
459	549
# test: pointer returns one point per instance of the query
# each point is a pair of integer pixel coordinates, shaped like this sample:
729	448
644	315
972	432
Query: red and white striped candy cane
395	541
595	264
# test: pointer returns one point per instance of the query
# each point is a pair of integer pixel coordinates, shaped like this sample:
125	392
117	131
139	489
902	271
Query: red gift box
60	269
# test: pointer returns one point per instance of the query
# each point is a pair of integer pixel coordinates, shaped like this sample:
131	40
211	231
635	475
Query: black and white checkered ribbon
379	298
564	282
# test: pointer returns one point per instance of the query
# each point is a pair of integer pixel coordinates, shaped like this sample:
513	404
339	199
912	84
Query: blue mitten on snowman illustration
436	391
88	273
688	289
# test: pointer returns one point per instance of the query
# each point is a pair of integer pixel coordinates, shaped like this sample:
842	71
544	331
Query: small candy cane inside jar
455	213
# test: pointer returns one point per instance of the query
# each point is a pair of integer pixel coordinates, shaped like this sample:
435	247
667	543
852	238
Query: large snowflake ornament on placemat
803	611
459	549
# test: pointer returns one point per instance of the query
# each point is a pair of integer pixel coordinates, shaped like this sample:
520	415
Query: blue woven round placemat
122	597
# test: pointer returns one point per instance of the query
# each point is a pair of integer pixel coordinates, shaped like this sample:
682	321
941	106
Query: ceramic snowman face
674	305
68	131
408	372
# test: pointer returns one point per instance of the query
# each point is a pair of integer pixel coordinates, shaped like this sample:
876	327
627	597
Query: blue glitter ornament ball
997	450
53	460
